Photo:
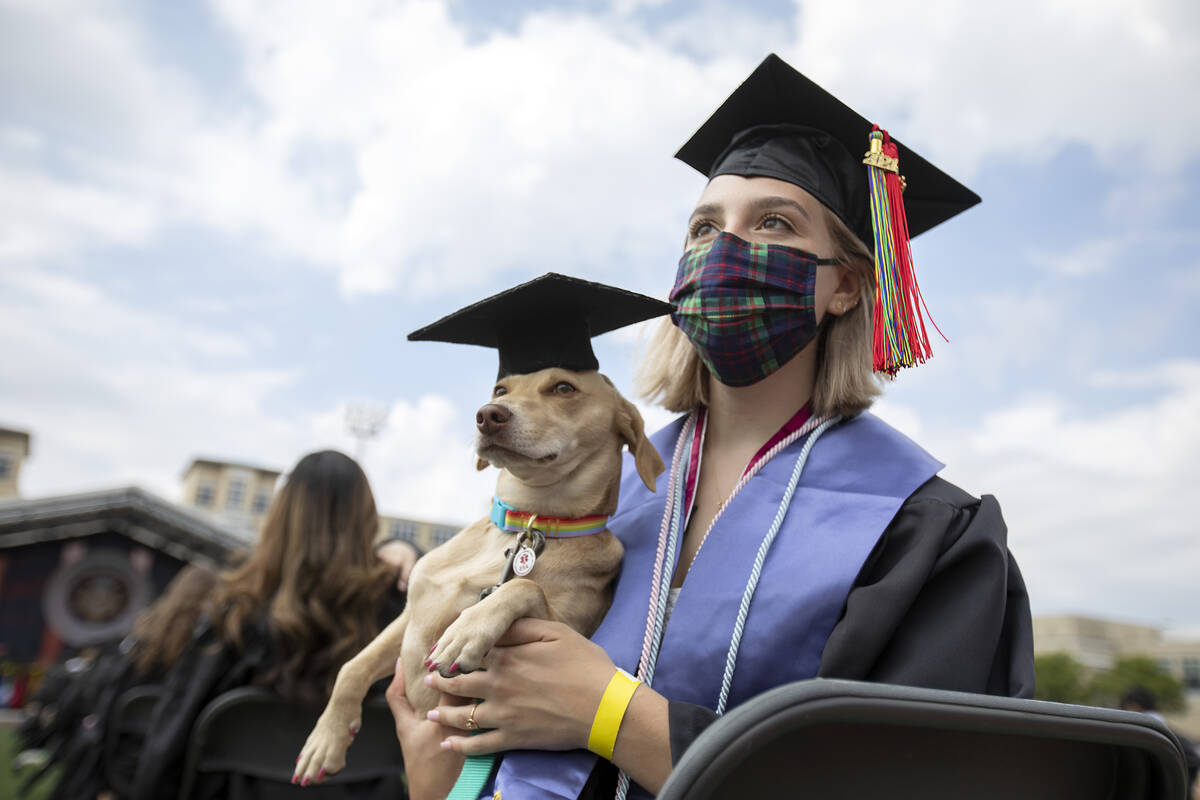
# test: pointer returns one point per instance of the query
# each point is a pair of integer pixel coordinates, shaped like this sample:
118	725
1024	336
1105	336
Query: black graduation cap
779	124
546	322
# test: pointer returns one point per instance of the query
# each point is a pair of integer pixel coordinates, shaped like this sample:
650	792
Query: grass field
9	780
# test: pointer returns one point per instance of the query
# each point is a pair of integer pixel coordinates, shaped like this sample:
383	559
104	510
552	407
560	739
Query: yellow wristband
611	711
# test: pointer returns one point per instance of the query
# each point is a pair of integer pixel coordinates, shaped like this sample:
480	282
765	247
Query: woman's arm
541	688
940	603
401	555
431	769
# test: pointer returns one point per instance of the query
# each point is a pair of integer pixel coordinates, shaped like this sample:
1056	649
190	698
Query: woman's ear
847	293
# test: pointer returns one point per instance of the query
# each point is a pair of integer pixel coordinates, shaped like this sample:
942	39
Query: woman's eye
562	387
775	223
702	228
499	390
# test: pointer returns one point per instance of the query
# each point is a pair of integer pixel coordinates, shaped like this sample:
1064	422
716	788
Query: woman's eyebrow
775	201
706	209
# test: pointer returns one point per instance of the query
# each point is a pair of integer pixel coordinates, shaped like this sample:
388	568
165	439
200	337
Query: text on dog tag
523	563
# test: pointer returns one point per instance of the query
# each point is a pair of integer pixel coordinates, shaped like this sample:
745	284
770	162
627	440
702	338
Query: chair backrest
843	739
126	730
253	733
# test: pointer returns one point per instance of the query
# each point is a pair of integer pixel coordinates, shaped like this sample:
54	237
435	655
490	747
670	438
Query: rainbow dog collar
509	519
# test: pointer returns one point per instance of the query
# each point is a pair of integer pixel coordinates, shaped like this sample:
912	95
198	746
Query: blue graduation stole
857	476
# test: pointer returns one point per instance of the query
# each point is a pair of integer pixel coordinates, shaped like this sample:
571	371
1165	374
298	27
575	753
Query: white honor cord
675	511
678	494
755	573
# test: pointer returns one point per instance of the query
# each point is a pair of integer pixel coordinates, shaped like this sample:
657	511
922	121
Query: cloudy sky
219	220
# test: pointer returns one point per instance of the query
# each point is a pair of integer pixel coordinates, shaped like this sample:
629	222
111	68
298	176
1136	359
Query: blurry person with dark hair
1142	700
310	595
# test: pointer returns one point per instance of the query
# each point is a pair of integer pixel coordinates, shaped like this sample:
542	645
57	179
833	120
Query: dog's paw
324	752
465	643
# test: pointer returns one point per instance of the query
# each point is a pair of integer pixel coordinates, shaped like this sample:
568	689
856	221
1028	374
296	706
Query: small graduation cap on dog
779	124
546	322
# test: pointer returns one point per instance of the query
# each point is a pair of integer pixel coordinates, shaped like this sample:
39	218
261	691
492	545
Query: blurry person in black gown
310	595
1143	701
70	715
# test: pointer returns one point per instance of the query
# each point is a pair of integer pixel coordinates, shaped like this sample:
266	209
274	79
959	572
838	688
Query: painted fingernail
454	667
305	781
429	680
432	667
433	648
321	775
294	778
433	716
428	662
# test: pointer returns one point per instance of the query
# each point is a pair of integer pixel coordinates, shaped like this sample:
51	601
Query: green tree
1107	687
1059	678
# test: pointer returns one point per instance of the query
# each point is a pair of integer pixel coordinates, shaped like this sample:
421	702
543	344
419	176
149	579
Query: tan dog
557	436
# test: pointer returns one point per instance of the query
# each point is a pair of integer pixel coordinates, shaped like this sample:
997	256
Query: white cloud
1098	505
115	394
1089	258
476	157
422	464
971	82
41	217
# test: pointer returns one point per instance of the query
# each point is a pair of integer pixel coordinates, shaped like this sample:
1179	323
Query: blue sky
219	220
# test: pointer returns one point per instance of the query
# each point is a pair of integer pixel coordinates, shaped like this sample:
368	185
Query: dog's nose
492	418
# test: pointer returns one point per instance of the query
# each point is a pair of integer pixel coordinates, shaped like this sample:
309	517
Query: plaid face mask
747	308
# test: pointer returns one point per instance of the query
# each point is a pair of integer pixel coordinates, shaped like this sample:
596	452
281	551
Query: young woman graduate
795	535
308	597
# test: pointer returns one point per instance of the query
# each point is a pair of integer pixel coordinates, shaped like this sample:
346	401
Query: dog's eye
499	390
562	387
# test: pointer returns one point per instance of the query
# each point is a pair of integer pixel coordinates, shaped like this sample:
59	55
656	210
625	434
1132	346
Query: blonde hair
673	375
312	575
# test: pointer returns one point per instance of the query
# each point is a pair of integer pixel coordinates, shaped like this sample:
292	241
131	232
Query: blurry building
423	535
1097	644
75	570
14	449
235	496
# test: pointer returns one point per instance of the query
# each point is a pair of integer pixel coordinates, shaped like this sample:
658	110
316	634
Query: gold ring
472	725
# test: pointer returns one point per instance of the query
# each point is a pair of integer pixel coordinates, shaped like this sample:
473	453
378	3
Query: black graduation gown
204	671
939	603
73	720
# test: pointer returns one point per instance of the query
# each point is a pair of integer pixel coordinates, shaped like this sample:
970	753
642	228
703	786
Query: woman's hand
541	686
430	767
402	556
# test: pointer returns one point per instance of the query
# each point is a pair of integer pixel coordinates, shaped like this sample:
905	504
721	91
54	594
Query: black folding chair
252	734
127	729
842	739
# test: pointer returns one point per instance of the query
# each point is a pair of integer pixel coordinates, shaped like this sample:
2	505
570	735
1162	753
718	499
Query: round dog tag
523	563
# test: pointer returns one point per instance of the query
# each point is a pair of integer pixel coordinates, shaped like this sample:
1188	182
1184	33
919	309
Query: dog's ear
645	457
481	465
